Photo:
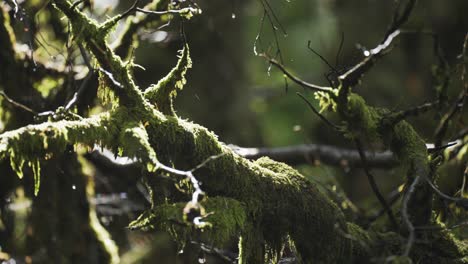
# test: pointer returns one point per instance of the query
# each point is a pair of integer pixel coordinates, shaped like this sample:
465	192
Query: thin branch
317	112
374	186
398	21
111	77
266	4
462	224
331	155
457	106
85	81
295	79
130	10
271	16
352	76
459	201
414	111
339	50
211	158
321	57
392	198
257	37
225	255
17	104
80	91
182	11
405	216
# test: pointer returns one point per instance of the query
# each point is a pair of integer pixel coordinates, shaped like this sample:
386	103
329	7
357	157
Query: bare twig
295	79
17	104
399	20
459	201
340	48
225	255
331	155
352	76
185	10
111	77
85	81
257	37
462	224
273	20
405	216
457	105
317	112
321	57
198	194
392	198
414	111
374	186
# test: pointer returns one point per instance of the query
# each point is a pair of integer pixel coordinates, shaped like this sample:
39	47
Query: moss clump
327	101
40	142
163	93
405	142
226	218
361	120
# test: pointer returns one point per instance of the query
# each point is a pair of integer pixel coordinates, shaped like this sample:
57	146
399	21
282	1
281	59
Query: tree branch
310	153
295	79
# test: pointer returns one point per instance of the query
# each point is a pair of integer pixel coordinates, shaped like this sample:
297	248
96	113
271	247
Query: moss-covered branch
278	200
94	36
266	202
163	93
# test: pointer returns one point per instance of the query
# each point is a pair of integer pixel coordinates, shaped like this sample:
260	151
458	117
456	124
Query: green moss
40	142
104	238
102	235
226	218
163	93
361	120
405	142
362	242
90	33
47	85
327	101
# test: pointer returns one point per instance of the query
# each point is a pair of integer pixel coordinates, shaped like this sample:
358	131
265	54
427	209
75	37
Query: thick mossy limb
411	150
34	142
163	93
375	124
361	119
90	33
279	201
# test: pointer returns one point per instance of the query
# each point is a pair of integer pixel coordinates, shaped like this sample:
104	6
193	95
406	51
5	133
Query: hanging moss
34	142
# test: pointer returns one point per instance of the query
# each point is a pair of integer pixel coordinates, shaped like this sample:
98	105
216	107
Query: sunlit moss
47	85
163	93
226	218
